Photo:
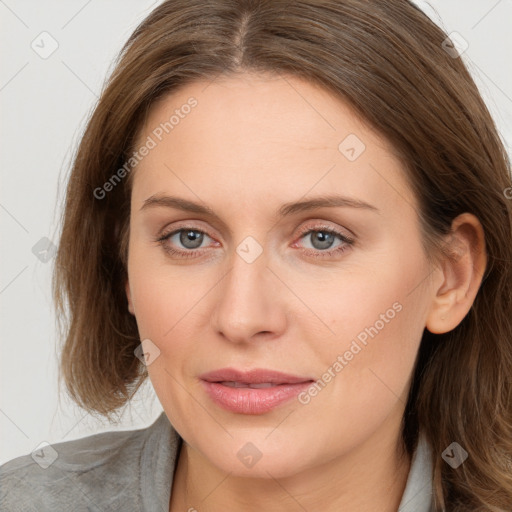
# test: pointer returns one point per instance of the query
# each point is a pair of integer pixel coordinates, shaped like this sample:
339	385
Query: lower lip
251	400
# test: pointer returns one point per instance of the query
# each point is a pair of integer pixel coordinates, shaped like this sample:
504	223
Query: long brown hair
386	59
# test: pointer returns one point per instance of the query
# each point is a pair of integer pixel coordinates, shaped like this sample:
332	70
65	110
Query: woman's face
338	294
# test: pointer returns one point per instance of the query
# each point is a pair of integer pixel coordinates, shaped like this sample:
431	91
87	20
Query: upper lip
254	376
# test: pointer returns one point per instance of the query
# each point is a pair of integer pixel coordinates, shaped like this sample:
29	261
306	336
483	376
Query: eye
322	238
190	238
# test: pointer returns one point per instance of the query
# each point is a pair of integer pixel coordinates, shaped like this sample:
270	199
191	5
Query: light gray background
44	105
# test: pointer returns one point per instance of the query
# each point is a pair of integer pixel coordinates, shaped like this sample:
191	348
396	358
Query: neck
370	477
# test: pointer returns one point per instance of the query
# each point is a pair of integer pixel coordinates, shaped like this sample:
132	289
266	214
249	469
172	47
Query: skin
252	143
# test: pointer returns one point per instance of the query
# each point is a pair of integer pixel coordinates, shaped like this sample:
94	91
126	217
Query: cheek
165	314
164	310
162	295
376	316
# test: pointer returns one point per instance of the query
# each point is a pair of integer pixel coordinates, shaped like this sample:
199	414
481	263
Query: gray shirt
132	471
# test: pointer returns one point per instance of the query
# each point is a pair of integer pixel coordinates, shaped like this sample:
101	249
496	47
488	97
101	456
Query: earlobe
462	269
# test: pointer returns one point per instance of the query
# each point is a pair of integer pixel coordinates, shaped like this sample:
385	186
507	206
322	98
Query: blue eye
191	239
324	238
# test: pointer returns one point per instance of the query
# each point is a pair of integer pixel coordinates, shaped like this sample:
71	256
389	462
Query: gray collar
417	496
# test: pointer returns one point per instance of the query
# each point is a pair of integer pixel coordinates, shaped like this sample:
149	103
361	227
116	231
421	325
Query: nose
249	304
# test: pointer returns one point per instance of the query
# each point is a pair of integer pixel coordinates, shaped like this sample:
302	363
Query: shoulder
97	472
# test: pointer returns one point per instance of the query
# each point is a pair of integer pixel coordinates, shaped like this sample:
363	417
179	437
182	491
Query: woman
294	216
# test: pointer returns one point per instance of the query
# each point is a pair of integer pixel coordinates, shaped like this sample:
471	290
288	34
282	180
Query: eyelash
316	253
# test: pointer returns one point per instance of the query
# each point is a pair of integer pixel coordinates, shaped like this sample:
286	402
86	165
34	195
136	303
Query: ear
129	297
462	272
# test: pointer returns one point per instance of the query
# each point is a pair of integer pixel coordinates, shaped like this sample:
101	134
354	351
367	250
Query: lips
255	391
248	385
252	377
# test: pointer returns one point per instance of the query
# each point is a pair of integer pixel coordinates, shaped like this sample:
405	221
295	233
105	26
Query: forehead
263	135
271	110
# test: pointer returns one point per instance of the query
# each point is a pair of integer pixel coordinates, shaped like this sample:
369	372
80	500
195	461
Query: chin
259	458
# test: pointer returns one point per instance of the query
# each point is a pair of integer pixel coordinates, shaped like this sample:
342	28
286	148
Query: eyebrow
326	201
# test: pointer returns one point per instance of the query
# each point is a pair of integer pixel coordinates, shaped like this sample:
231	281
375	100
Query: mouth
261	385
252	392
250	378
